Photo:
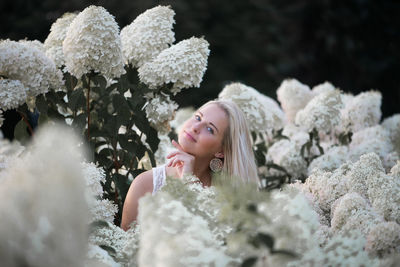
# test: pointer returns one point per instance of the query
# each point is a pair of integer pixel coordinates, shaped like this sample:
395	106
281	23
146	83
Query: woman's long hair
239	160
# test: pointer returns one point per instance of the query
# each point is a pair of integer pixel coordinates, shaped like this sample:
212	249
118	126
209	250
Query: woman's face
202	134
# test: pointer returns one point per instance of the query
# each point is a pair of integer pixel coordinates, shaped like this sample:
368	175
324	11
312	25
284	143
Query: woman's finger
178	146
170	155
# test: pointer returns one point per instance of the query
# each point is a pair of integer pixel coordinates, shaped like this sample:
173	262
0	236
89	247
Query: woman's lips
190	137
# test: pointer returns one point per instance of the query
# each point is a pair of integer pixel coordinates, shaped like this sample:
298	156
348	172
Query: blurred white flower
54	41
164	148
92	43
29	65
332	159
272	109
373	139
293	96
97	256
321	113
248	100
285	154
322	88
12	94
392	125
33	43
160	110
182	64
174	236
46	189
149	34
384	239
362	111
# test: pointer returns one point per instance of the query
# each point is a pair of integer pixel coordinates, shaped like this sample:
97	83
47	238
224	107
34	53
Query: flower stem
26	122
88	109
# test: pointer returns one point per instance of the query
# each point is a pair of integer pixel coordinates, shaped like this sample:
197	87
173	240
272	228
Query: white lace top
159	178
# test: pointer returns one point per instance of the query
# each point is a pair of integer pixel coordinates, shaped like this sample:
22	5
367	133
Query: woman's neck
202	171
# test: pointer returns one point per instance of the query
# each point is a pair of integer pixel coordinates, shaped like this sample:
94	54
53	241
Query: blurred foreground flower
46	225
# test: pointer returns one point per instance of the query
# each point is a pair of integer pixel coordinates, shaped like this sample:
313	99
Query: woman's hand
180	159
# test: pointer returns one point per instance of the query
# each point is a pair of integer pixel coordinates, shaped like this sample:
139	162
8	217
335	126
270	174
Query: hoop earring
216	165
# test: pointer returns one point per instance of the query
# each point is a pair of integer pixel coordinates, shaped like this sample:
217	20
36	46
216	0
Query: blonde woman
216	138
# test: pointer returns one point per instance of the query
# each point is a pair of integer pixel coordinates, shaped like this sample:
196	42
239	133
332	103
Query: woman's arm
141	185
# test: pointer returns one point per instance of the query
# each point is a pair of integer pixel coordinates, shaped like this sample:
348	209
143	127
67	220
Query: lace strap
159	176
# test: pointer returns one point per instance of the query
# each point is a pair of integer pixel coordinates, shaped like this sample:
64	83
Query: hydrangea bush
336	164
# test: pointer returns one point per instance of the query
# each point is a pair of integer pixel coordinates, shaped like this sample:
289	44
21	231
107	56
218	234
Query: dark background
354	44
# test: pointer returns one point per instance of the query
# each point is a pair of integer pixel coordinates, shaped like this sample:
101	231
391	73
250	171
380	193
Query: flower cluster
182	64
262	112
54	41
160	110
12	94
149	34
293	96
31	67
92	43
38	184
392	125
321	113
362	111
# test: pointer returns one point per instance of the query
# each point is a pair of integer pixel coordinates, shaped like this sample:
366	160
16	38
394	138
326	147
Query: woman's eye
210	130
197	117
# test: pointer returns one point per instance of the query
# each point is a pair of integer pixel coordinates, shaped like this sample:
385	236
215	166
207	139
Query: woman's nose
196	127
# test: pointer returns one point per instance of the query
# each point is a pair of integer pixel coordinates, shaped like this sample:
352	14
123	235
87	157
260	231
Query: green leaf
21	132
100	81
70	81
76	99
80	121
41	105
249	262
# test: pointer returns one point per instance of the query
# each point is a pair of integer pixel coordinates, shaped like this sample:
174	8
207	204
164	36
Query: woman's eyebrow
212	124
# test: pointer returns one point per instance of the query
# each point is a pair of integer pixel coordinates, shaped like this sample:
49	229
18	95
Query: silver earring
216	165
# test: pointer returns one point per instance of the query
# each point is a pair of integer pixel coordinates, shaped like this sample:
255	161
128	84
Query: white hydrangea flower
285	154
54	41
272	109
392	125
23	62
174	236
182	64
327	187
369	165
160	110
164	148
46	188
94	176
341	250
362	111
96	256
9	152
92	43
384	239
103	210
149	34
383	190
12	94
362	143
332	159
248	100
321	113
33	43
182	114
322	88
293	96
352	212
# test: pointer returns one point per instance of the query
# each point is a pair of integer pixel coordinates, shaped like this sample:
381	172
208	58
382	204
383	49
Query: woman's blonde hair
239	160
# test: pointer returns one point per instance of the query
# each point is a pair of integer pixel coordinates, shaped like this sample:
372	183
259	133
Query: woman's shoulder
144	181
